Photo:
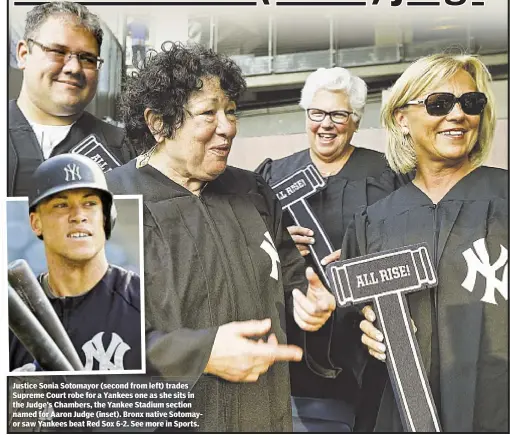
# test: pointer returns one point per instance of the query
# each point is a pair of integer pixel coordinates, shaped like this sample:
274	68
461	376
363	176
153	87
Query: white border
142	303
315	183
420	282
4	333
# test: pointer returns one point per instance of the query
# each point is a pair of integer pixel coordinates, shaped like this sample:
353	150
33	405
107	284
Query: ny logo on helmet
72	171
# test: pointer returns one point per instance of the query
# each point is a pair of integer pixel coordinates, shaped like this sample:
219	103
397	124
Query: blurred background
278	47
123	248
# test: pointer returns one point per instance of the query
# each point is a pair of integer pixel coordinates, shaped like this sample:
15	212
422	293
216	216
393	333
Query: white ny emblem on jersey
72	172
480	263
94	349
268	246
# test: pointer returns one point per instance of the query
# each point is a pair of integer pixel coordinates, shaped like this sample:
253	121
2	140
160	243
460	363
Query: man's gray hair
38	16
336	79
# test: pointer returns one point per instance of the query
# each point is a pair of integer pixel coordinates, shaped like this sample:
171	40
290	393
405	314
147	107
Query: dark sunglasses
441	103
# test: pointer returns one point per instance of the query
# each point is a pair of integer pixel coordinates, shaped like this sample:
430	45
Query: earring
143	159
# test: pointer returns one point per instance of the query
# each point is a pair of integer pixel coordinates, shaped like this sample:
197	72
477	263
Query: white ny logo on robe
479	263
268	246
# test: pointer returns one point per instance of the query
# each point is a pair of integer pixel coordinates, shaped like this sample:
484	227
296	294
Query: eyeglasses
441	103
337	116
64	55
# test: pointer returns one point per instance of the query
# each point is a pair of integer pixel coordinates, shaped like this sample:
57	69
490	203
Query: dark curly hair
165	83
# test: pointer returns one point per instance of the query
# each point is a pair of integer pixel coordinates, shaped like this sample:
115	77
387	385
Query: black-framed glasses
63	55
441	103
337	116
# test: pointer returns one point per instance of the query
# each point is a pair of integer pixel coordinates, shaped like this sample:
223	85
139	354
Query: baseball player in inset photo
73	213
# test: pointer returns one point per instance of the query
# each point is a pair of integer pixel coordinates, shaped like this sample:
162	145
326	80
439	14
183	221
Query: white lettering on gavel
394	273
295	187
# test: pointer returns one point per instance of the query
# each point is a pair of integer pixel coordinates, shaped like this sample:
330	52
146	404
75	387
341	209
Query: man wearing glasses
59	57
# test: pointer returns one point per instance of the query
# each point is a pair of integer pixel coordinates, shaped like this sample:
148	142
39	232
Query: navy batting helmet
71	171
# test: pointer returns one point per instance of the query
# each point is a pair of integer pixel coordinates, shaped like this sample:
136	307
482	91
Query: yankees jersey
212	259
364	179
103	324
462	324
102	142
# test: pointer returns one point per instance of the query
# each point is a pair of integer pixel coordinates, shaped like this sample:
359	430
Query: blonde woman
440	122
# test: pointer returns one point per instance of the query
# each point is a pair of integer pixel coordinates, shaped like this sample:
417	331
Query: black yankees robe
24	153
364	179
210	260
463	322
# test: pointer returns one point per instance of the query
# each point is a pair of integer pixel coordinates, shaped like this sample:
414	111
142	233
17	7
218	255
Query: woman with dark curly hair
220	268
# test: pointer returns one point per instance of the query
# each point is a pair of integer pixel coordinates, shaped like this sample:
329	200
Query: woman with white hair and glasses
440	123
334	102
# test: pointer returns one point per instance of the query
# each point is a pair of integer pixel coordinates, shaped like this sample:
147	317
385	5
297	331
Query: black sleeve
116	139
264	169
124	180
349	351
293	270
354	241
128	151
337	345
175	351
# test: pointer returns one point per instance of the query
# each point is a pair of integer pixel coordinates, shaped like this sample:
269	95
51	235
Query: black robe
364	179
207	264
463	322
24	153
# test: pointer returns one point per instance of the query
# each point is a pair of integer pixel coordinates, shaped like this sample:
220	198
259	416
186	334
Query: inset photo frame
76	298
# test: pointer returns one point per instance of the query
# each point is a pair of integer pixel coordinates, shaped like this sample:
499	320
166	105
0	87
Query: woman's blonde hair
427	73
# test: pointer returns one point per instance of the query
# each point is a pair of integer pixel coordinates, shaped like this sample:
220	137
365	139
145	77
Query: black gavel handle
304	216
405	366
